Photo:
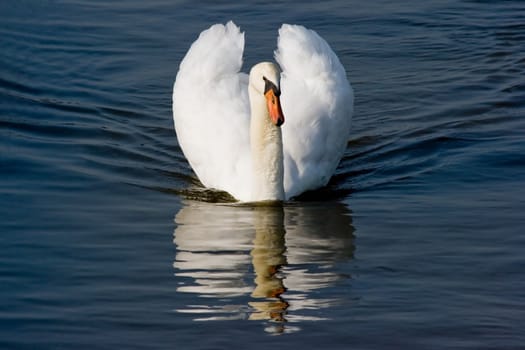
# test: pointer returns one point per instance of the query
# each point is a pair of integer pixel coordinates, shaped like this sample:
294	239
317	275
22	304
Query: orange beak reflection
274	107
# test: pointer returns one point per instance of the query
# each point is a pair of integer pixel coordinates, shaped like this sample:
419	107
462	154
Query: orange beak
274	107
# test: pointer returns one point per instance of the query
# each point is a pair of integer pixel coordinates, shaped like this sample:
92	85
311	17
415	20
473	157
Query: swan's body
223	122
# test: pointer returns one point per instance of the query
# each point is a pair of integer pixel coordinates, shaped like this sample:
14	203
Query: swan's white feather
212	114
211	110
317	103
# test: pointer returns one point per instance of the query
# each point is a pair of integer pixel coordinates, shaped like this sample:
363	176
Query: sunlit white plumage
211	110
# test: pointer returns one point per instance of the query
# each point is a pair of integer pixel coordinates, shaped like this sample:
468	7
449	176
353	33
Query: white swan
229	125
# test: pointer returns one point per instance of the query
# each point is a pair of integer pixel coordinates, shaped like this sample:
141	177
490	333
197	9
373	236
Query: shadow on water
266	263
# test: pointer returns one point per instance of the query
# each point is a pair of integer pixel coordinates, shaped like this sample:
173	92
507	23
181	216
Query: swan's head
265	78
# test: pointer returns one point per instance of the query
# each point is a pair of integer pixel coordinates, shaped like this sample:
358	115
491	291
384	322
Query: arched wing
211	110
317	102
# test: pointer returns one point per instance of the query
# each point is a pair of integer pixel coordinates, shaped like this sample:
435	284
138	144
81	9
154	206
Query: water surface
108	240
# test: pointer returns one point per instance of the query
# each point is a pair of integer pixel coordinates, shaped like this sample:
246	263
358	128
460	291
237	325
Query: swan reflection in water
261	262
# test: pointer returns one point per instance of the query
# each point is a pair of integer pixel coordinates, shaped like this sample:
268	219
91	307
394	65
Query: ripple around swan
122	140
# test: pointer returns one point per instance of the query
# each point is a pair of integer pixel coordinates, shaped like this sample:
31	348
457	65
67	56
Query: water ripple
92	177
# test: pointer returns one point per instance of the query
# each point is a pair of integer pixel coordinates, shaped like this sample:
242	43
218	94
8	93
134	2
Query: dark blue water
106	241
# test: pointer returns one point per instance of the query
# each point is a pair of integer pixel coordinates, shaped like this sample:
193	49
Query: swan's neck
267	152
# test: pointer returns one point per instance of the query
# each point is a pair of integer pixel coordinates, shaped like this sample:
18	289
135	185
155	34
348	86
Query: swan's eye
267	84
